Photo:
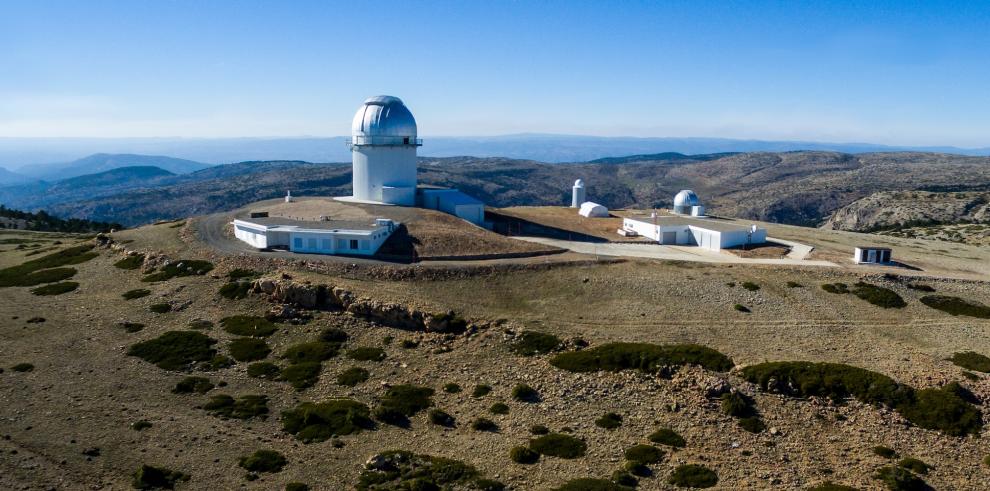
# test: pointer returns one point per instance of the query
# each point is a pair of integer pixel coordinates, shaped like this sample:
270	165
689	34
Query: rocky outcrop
889	210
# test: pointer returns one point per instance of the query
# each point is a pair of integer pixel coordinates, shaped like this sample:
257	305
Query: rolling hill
101	162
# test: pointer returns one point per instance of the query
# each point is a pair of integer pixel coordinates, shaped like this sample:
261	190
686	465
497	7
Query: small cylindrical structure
577	194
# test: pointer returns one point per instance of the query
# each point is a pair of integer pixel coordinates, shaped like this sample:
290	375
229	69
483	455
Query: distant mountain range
21	154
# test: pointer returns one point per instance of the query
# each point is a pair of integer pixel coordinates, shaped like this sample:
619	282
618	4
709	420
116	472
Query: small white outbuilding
593	210
871	255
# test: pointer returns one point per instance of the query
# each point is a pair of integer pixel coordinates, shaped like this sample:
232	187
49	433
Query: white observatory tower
383	151
577	194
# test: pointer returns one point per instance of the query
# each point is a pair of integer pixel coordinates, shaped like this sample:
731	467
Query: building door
669	238
871	256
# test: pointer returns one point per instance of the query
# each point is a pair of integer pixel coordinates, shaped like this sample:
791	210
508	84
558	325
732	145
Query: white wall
253	235
375	167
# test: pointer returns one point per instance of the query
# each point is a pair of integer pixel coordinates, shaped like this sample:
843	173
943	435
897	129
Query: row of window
325	244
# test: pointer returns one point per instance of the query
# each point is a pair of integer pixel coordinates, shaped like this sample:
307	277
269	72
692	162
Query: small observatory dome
579	183
686	198
383	116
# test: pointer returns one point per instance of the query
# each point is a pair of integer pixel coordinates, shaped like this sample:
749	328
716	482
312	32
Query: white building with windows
315	237
707	233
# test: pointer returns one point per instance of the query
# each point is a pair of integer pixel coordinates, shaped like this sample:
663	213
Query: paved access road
679	253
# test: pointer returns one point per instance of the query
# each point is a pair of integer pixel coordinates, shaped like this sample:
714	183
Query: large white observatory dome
381	119
686	198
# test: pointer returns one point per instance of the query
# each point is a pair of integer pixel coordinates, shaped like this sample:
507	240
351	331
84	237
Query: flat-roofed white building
453	202
707	233
315	237
871	255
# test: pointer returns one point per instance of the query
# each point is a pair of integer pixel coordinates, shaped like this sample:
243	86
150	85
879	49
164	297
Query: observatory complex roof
705	223
686	198
383	116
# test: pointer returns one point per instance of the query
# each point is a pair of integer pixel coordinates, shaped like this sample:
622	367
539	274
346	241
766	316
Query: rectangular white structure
453	202
328	237
707	233
871	255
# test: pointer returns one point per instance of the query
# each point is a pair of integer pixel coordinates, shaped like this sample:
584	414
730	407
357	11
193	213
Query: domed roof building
383	119
383	149
684	201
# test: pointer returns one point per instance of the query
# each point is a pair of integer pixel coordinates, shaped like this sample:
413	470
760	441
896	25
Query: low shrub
189	385
794	284
403	400
609	421
914	465
175	350
301	375
151	477
296	486
248	325
408	471
539	430
316	422
352	376
481	390
921	287
484	424
333	335
943	409
830	486
559	445
644	454
201	324
837	288
741	308
160	308
23	367
440	417
130	262
182	267
249	349
136	293
693	476
525	393
451	388
263	461
737	404
408	344
898	479
669	437
750	286
216	363
637	469
141	425
645	357
48	268
523	455
624	478
244	407
499	408
752	424
242	274
957	306
366	353
235	290
55	288
972	360
313	351
531	343
885	452
590	484
878	295
263	370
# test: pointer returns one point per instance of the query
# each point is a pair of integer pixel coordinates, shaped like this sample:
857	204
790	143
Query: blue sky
904	73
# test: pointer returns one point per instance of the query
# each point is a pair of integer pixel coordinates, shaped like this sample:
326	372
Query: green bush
637	469
741	308
22	367
830	486
499	408
921	287
525	393
484	424
737	405
316	422
263	370
693	476
248	325
301	375
669	437
794	284
188	385
523	455
216	363
244	407
136	293
296	486
589	484
46	269
134	261
150	477
539	430
160	308
352	376
957	306
140	425
936	409
481	390
418	472
640	356
558	445
403	401
235	290
249	349
531	343
182	267
440	417
242	274
878	295
644	454
624	478
408	344
885	452
175	350
313	351
263	461
55	288
366	353
200	324
972	361
898	479
451	388
750	286
333	335
837	288
609	421
914	465
752	424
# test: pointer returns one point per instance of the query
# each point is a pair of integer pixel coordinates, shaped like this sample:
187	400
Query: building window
354	244
326	244
297	243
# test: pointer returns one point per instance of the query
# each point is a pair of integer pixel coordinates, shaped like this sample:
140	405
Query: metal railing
358	141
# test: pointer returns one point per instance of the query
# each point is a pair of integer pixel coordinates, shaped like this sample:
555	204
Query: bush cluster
900	479
481	390
402	401
175	350
244	407
484	424
55	288
523	455
248	325
47	269
263	461
316	422
235	290
645	357
878	295
609	421
693	476
182	267
189	385
957	306
531	343
263	370
366	353
352	376
591	484
313	351
669	437
301	375
407	470
558	445
525	393
644	454
133	261
249	349
499	408
151	477
136	293
749	285
441	418
160	308
972	360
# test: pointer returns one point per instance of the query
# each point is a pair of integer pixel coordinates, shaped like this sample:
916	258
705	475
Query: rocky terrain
952	216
